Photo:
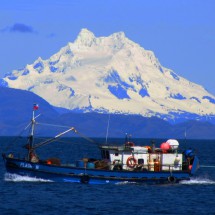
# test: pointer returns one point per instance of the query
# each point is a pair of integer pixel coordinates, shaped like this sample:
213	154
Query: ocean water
23	195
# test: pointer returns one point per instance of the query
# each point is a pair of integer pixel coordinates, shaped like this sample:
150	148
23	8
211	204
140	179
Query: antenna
185	137
107	128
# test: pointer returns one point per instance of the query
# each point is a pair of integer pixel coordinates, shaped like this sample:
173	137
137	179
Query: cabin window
105	154
141	161
116	154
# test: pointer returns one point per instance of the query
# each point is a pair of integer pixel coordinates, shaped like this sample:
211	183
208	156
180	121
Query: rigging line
63	141
45	143
87	138
77	132
60	140
27	126
61	126
14	140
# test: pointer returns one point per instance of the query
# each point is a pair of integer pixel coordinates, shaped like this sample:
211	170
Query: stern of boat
195	165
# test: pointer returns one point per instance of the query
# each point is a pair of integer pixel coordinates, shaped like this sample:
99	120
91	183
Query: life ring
171	179
131	162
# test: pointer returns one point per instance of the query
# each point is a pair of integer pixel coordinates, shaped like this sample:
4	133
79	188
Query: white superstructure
130	157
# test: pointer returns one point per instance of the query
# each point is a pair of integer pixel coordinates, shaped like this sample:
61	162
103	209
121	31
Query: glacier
112	75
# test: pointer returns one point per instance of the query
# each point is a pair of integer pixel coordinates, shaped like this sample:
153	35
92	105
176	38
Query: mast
31	136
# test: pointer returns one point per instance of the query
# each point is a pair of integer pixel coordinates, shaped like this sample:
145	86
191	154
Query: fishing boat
117	164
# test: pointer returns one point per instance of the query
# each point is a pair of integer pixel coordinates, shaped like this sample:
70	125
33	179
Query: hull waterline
90	176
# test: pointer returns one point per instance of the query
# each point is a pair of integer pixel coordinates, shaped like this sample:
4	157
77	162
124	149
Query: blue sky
181	33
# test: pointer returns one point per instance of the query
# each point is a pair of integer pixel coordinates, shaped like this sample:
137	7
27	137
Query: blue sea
23	195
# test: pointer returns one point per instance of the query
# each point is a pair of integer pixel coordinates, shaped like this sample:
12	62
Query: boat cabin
130	157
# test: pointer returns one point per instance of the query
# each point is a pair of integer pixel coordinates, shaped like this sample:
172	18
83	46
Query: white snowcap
85	38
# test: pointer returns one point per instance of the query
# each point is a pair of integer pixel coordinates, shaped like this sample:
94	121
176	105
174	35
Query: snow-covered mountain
111	75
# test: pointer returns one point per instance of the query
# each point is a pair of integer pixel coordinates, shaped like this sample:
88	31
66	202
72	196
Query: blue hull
65	173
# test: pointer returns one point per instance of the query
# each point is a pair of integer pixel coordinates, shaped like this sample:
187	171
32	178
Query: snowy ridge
111	75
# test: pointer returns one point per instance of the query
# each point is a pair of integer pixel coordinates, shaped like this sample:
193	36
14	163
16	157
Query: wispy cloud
18	27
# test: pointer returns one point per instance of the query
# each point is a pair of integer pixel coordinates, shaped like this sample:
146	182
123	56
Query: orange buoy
48	162
165	147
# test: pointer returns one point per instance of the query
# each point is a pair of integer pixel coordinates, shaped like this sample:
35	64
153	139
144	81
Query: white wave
19	178
125	182
192	181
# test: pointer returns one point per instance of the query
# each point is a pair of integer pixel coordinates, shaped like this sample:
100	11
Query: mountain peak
111	74
119	35
85	38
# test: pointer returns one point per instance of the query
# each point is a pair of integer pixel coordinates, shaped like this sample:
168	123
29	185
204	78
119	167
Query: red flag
35	107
